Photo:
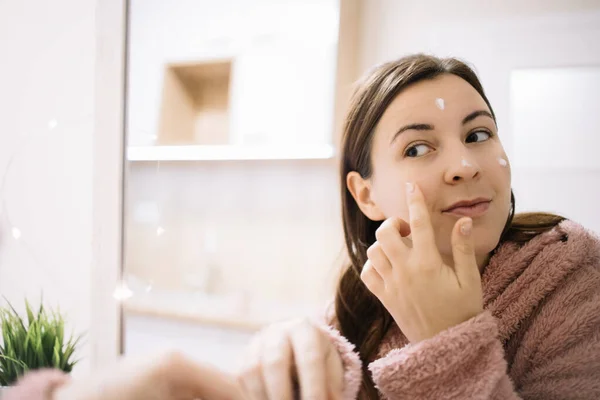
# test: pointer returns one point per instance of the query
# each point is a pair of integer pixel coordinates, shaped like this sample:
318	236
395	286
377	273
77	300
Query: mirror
232	219
234	112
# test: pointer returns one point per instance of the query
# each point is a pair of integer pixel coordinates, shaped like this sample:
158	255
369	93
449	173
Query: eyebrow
429	127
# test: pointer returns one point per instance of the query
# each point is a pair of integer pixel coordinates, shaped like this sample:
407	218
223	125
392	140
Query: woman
447	296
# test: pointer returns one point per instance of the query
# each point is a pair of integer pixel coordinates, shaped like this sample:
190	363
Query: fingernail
410	187
466	227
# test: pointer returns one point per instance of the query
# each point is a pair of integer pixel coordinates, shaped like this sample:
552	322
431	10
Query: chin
485	248
486	240
486	236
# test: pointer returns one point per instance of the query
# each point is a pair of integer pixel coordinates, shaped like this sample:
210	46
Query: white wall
499	38
47	52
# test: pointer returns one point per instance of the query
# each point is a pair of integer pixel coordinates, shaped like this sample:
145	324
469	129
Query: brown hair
359	315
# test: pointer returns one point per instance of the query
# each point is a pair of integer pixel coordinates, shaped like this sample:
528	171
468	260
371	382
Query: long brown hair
359	315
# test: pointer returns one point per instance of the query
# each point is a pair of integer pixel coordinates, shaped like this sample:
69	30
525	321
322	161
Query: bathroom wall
61	165
505	41
46	171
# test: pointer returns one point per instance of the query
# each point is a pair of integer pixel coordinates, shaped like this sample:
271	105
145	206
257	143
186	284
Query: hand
35	385
169	376
291	352
423	294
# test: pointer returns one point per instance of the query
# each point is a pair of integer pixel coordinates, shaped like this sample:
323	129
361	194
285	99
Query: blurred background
233	115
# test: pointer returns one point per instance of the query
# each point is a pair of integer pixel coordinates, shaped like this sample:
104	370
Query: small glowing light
148	288
52	124
159	231
122	292
16	232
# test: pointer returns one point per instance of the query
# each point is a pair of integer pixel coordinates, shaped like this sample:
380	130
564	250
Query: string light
16	232
122	292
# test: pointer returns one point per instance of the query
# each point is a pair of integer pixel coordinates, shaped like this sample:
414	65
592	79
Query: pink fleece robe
538	338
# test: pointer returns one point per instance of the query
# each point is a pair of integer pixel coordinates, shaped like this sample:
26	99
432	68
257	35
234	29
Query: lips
469	208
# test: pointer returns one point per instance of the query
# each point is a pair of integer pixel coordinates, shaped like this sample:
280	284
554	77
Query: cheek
390	194
392	199
429	186
498	176
502	161
500	172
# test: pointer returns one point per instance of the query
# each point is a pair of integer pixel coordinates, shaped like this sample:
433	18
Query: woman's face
440	135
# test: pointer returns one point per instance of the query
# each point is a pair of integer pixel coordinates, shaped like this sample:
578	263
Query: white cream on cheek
465	163
502	161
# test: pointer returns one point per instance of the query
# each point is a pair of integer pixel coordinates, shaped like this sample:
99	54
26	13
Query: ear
361	191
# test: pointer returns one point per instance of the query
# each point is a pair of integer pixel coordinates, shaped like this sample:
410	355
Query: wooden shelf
227	152
195	103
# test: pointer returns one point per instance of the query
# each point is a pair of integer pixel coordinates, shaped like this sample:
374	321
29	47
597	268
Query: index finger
423	236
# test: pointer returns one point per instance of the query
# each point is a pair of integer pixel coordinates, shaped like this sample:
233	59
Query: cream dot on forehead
440	103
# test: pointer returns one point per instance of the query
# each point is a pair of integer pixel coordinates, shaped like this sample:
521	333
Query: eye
417	150
478	136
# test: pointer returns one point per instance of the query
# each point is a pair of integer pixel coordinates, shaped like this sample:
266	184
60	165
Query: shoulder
564	247
577	244
577	230
562	329
550	327
578	251
558	267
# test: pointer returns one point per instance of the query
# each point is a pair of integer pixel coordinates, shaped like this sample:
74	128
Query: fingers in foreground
309	359
276	360
250	377
335	373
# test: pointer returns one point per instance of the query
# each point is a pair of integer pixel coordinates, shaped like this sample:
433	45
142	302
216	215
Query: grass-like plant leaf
35	342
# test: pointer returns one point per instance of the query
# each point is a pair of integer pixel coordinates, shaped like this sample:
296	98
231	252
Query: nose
462	169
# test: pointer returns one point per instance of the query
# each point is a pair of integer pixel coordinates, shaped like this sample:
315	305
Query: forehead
419	103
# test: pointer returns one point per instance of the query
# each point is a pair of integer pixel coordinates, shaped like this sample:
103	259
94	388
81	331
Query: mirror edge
105	335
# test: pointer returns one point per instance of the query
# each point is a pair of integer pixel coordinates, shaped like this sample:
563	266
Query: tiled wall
274	226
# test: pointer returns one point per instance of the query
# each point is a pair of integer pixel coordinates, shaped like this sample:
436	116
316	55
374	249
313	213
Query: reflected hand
423	294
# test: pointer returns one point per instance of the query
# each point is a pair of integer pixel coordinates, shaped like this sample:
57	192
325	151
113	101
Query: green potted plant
35	343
